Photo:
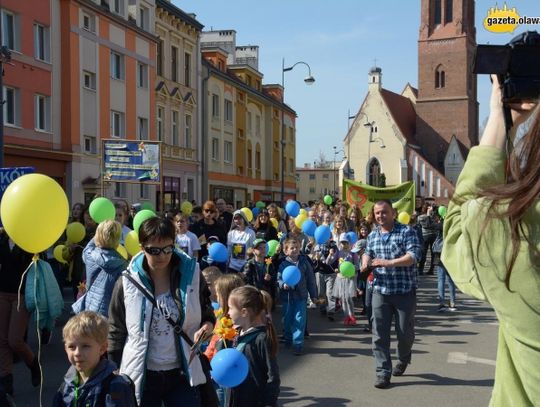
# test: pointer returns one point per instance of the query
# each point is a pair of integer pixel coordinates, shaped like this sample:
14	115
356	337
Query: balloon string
34	261
38	331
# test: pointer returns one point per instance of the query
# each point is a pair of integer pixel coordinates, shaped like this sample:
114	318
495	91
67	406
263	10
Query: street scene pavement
453	360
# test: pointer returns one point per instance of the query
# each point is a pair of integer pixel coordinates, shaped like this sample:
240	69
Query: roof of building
182	15
402	110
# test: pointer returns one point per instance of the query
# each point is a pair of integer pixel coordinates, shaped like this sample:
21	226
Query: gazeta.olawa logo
506	19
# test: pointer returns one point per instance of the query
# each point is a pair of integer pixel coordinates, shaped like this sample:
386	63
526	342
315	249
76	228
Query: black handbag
207	392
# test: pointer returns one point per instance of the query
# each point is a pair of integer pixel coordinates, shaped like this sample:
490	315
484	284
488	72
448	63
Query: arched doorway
374	172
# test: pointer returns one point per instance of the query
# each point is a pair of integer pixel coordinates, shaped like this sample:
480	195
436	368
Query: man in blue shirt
392	252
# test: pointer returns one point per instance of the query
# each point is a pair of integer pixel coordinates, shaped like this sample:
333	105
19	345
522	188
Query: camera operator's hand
495	132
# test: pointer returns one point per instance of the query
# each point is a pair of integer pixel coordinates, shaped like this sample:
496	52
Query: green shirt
477	262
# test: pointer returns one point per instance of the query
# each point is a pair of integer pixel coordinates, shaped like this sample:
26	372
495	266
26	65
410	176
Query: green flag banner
402	196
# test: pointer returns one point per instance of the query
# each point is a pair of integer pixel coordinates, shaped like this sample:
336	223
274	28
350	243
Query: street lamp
334	168
371	140
309	80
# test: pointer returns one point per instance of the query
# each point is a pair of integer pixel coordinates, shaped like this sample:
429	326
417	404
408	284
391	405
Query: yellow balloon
75	232
122	250
274	223
302	212
57	252
248	213
186	208
132	243
404	218
299	220
42	196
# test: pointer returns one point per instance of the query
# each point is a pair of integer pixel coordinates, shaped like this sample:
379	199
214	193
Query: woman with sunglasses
209	226
263	228
160	299
239	239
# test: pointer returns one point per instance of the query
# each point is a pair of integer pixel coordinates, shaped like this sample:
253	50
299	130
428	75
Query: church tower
446	104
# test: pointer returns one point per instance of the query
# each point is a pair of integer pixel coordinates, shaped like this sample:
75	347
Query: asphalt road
453	361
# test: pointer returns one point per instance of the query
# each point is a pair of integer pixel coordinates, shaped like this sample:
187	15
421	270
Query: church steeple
375	78
446	84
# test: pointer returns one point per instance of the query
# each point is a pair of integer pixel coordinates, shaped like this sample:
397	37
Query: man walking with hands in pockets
392	252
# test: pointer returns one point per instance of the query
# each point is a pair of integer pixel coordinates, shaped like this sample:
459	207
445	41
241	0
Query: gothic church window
440	78
448	12
374	172
436	12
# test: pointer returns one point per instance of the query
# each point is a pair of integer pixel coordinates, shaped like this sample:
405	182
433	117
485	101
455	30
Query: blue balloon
322	234
255	211
218	252
309	227
291	275
215	305
292	208
353	237
229	367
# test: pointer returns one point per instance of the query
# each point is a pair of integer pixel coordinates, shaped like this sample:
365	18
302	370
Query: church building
422	134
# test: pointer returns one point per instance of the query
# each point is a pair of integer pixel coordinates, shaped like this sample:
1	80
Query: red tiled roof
402	110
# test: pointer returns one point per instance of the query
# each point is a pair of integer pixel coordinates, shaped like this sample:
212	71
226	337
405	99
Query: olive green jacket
477	258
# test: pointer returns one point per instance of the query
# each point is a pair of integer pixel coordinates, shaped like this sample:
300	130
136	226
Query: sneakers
399	369
35	372
311	304
441	308
452	307
349	320
382	382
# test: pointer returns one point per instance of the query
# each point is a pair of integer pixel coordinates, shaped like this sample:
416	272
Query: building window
42	113
142	128
325	176
215	149
449	12
42	43
249	123
374	172
90	145
144	15
228	152
89	80
118	7
11	106
436	12
250	159
89	22
144	191
187	131
312	177
291	165
174	63
117	124
258	125
120	190
174	128
117	66
215	105
312	190
159	124
291	134
228	110
190	189
187	69
240	134
159	56
142	75
10	32
440	78
257	160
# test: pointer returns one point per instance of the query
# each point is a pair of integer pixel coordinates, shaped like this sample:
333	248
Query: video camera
517	64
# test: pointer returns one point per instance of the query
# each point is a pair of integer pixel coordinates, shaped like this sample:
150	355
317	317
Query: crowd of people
155	306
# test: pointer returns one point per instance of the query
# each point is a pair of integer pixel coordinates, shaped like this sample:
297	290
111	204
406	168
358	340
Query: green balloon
347	269
272	247
141	217
442	211
101	209
260	204
328	199
148	205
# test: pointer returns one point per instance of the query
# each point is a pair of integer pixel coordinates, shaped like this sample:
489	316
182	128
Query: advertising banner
132	161
402	196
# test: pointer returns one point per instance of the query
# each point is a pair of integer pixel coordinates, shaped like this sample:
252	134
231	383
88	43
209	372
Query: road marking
461	358
477	321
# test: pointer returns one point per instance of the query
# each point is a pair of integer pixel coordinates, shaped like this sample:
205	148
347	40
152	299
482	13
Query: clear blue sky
340	40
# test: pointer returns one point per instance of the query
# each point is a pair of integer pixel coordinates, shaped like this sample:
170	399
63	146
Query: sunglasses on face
208	210
155	251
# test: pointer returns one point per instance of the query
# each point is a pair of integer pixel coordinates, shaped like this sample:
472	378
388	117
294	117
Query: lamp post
334	167
371	140
309	80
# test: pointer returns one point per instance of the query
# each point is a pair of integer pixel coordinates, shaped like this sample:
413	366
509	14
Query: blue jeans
170	387
294	320
402	307
442	275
